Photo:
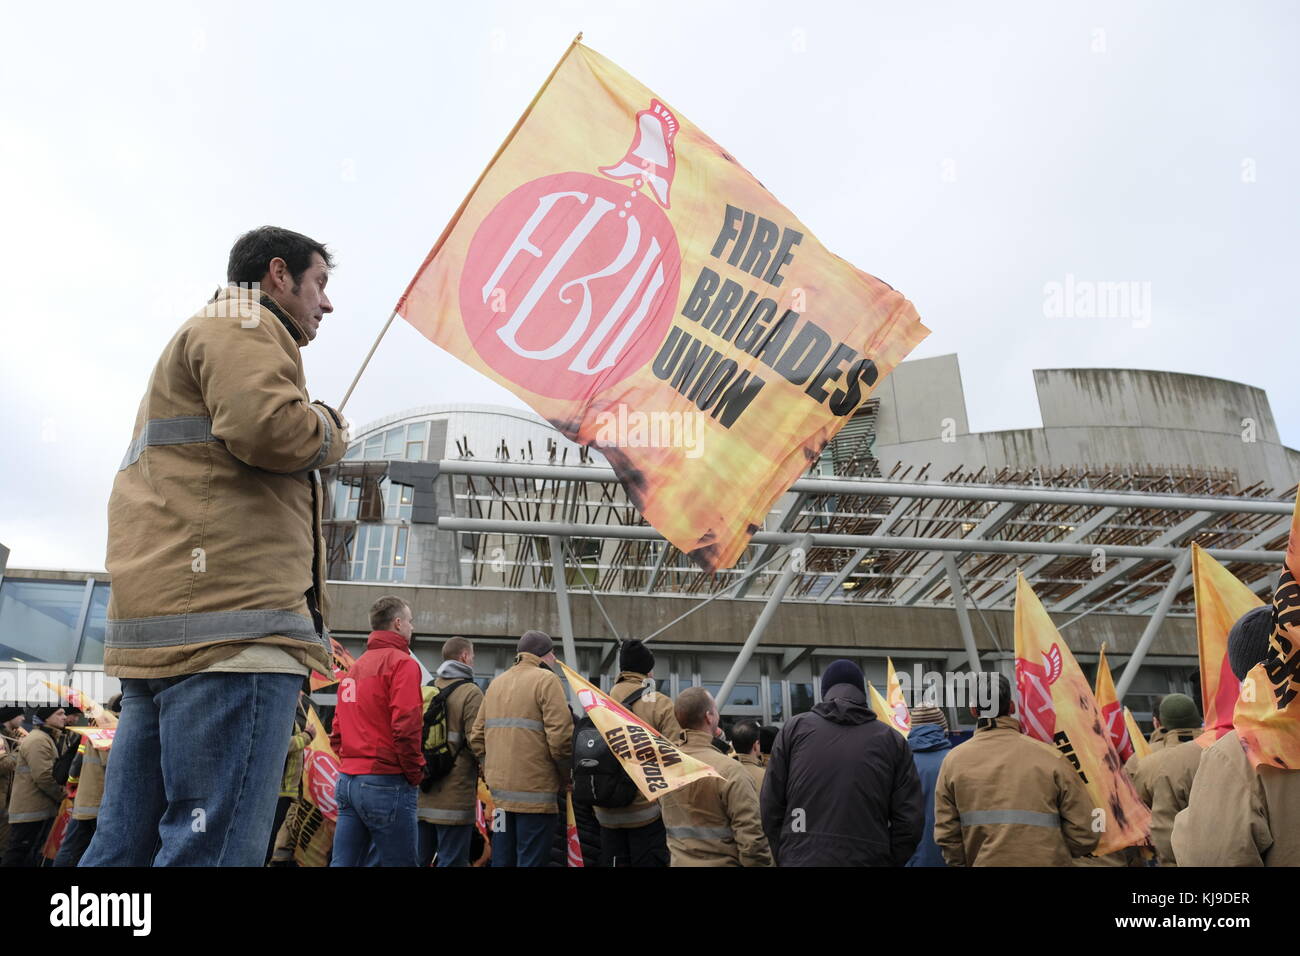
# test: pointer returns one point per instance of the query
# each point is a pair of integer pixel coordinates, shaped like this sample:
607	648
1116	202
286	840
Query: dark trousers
637	846
450	843
25	842
281	811
526	840
75	840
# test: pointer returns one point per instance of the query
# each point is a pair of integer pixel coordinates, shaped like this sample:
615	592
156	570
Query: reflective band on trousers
168	431
613	817
700	833
974	818
171	630
523	723
522	796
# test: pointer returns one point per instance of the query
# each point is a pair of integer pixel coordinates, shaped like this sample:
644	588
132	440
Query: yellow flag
1267	717
899	715
1140	746
1057	706
655	765
1220	599
881	708
627	278
1111	713
87	705
311	828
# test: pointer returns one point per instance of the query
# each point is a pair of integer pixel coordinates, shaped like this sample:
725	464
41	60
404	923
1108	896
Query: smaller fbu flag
622	274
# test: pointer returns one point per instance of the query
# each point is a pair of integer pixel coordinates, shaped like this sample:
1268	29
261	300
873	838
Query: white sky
966	153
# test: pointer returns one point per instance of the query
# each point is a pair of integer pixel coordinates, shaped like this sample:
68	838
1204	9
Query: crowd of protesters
214	627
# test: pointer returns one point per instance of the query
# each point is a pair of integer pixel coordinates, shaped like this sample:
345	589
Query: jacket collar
632	676
698	738
749	759
387	639
529	660
240	293
997	723
1179	735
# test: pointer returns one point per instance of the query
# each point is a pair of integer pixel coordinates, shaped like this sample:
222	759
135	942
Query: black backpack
63	759
438	754
598	776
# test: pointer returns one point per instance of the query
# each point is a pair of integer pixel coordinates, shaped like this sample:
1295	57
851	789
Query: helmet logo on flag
570	282
1034	682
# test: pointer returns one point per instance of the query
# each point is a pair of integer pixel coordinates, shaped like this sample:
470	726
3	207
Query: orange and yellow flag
572	843
1057	706
1220	599
899	715
1141	748
881	708
655	765
1112	714
629	280
1268	711
311	828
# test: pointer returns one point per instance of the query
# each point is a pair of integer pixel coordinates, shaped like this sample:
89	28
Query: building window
399	551
38	620
801	698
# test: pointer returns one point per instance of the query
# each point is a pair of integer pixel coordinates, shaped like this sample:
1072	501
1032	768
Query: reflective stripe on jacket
35	795
1005	799
90	785
714	821
524	735
452	800
214	523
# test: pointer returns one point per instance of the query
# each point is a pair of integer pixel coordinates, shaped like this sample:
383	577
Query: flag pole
456	217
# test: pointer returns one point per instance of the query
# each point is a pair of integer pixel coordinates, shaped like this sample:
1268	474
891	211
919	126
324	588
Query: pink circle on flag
563	295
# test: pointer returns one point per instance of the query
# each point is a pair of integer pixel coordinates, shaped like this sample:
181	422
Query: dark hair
251	255
744	735
384	610
692	708
997	684
767	737
455	647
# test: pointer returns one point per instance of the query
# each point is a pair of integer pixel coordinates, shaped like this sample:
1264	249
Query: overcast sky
967	153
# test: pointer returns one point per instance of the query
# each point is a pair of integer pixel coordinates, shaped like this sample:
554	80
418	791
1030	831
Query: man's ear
277	274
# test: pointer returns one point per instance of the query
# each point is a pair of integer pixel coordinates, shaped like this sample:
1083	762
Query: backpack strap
633	697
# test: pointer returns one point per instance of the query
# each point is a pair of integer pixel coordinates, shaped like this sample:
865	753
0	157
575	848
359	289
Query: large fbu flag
1114	717
1057	706
625	276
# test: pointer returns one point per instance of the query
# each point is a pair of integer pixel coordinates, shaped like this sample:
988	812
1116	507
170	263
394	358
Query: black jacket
841	788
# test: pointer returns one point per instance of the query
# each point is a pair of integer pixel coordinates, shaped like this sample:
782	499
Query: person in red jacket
376	735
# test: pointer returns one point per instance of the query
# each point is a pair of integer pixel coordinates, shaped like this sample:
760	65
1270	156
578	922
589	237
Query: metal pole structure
1175	585
916	489
963	619
891	542
796	565
562	602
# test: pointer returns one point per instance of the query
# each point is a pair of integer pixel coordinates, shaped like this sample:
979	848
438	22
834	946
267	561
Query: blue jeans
527	840
378	807
197	764
450	842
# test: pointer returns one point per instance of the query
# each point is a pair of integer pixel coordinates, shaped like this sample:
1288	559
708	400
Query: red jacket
379	718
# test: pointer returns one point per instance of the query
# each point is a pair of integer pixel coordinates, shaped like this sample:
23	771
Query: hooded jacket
452	799
929	744
1238	815
841	788
214	523
714	821
523	735
1004	799
378	720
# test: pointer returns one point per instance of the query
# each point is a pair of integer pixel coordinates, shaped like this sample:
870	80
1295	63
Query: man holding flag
1239	815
